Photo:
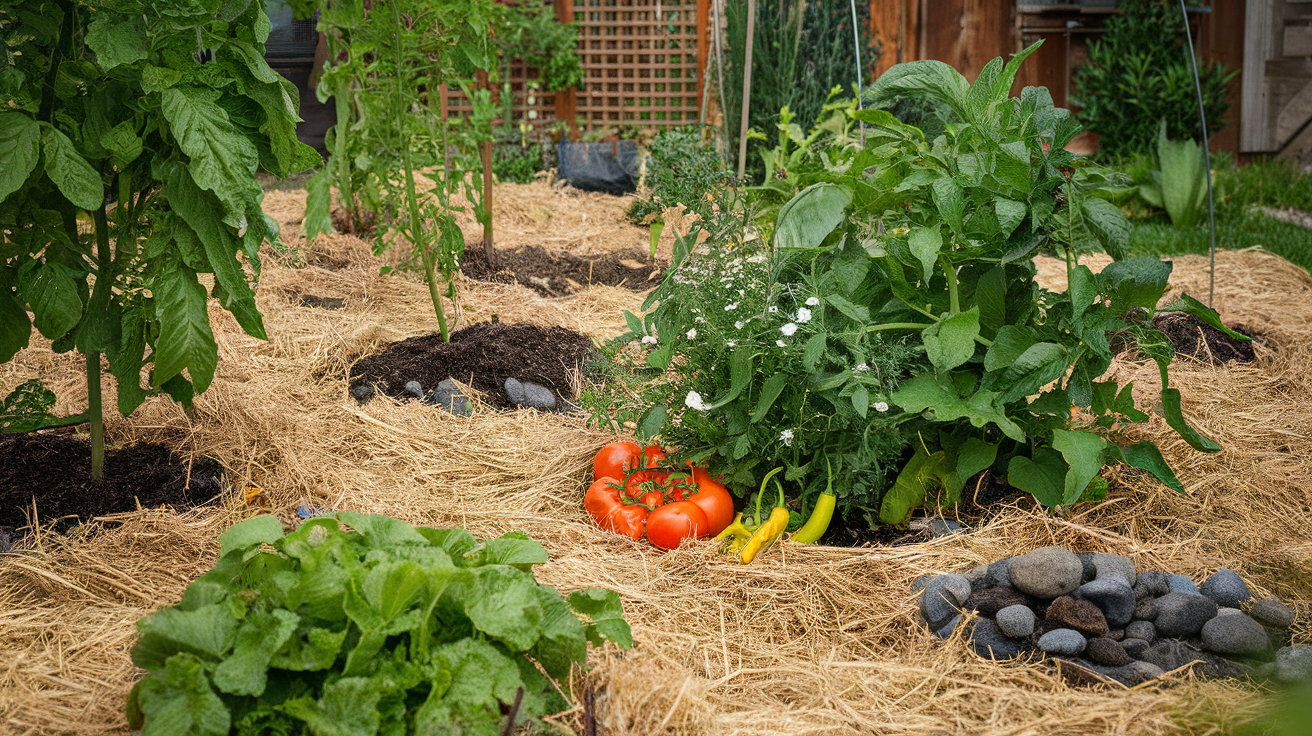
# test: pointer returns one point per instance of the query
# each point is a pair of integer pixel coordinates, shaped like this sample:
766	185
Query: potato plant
130	134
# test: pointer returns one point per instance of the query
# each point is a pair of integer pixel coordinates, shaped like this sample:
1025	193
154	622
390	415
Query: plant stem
417	235
897	326
954	297
340	136
97	418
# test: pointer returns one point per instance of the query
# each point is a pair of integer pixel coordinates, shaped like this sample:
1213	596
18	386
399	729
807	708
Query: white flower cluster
787	437
694	401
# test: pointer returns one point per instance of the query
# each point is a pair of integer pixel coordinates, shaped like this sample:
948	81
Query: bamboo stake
747	88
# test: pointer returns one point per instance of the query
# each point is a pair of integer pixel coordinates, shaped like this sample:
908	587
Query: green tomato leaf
1010	343
1135	282
53	296
951	342
122	143
318	206
76	180
1205	314
924	393
991	299
1010	214
950	200
1083	290
1175	417
1145	456
808	218
1083	452
20	136
973	456
925	243
117	39
223	161
185	340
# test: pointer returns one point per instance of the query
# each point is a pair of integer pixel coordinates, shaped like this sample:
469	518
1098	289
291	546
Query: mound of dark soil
558	274
56	471
1191	336
483	355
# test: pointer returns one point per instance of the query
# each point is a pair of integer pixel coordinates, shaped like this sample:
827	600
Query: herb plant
383	629
1138	74
905	294
130	134
682	168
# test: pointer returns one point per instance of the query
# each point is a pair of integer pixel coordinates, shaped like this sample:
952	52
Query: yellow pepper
769	529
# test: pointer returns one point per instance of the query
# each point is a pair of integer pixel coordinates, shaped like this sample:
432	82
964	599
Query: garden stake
747	87
1207	156
856	43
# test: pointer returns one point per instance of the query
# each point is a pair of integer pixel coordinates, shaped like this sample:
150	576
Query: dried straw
807	640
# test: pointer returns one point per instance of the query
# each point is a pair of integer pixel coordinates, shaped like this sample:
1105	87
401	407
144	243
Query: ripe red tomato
609	511
672	523
613	460
709	494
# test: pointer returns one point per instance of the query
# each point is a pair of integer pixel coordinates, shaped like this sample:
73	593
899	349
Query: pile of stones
448	396
1095	611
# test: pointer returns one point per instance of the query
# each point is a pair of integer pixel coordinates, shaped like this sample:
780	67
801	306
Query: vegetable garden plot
805	640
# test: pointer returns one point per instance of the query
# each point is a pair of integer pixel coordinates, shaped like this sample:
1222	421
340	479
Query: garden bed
807	639
558	274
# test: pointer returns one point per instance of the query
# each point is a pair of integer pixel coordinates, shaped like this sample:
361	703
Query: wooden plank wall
969	33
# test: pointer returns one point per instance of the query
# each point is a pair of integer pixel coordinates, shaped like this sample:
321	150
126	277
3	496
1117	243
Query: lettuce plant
927	246
383	629
130	134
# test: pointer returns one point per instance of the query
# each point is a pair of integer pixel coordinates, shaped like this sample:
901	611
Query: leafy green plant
926	245
1138	74
27	409
1179	184
516	163
682	169
130	134
532	32
394	59
386	628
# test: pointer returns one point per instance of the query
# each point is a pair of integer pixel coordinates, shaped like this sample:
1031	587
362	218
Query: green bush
1138	74
682	168
896	296
386	628
511	162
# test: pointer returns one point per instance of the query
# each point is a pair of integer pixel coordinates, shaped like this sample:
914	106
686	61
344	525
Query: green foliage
912	256
682	168
520	164
27	409
386	628
1179	184
531	31
109	111
801	52
1138	74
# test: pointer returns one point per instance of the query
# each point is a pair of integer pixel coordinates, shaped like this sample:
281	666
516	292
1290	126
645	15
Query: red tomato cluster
636	492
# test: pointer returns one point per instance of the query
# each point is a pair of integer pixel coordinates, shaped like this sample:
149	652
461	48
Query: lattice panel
640	62
540	113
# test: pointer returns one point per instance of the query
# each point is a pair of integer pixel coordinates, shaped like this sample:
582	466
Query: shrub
386	628
110	111
682	168
512	162
913	256
1138	74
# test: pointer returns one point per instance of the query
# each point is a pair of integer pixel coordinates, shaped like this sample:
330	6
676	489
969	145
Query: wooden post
566	99
485	148
703	49
747	88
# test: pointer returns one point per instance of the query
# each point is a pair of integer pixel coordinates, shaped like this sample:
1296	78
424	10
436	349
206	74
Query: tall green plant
1138	74
130	134
1179	183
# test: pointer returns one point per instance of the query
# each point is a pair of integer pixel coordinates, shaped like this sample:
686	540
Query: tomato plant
130	134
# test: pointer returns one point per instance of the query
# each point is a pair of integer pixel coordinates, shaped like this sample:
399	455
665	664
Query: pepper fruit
770	529
821	515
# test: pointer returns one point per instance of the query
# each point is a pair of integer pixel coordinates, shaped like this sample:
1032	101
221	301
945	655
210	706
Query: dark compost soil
482	355
1190	336
559	274
56	471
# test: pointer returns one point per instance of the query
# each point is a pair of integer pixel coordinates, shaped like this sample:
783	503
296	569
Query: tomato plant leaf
69	171
925	243
1135	282
1010	343
991	299
117	40
20	136
51	293
1109	225
1205	314
1040	364
222	161
1010	214
1083	289
1145	456
973	456
925	393
186	341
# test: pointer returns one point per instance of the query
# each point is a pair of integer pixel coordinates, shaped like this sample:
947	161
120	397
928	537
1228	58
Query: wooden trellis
643	64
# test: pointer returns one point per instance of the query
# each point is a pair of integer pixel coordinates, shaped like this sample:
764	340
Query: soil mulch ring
55	471
1190	336
558	274
482	355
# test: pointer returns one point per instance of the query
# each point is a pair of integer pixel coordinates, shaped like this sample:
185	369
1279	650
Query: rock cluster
1098	611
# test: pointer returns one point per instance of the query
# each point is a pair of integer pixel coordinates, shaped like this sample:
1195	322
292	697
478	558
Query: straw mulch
807	640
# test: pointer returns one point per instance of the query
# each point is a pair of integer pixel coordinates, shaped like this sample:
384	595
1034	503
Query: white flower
738	325
787	437
813	301
803	315
862	368
694	401
732	344
780	343
698	320
731	307
648	339
881	406
692	334
773	310
788	329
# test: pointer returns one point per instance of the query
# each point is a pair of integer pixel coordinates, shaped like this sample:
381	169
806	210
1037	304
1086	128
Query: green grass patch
1237	227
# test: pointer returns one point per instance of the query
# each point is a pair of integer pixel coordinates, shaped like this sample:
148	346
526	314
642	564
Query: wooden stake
747	88
489	252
